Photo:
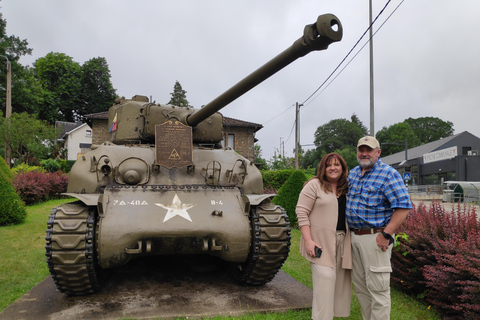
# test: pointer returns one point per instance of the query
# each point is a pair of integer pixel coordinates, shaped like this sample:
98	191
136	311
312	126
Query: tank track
70	248
270	245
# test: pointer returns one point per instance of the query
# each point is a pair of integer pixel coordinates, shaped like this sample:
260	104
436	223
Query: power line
314	95
341	62
345	58
279	114
356	53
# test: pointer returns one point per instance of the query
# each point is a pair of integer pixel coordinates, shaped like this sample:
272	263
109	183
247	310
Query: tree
69	90
258	155
97	92
428	129
279	162
360	124
179	96
26	91
350	157
29	139
338	134
311	158
392	139
60	78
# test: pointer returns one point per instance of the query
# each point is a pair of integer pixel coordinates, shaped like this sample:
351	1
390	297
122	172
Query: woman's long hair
342	186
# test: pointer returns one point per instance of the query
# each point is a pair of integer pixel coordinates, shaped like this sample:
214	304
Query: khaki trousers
371	276
332	287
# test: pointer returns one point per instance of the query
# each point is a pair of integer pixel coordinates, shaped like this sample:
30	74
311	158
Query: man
377	204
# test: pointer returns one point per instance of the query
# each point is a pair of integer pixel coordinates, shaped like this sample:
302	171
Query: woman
321	218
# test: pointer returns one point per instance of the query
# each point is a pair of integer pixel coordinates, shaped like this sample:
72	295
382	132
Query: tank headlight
132	171
131	177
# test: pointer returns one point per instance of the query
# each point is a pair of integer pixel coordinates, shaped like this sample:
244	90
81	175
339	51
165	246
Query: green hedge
54	165
288	194
274	179
12	208
66	165
5	169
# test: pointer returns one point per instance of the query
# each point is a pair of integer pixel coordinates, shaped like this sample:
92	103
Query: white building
76	138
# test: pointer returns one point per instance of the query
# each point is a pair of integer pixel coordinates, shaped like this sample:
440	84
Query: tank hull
160	220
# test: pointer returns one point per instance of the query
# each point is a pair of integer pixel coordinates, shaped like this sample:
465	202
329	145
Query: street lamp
8	105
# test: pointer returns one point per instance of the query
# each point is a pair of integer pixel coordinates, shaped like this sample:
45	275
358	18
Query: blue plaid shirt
373	197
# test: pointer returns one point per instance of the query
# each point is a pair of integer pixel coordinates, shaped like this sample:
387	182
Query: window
231	141
88	133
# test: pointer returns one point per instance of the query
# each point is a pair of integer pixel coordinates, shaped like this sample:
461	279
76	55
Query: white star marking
177	208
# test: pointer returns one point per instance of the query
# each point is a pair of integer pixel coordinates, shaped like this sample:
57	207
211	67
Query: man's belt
367	231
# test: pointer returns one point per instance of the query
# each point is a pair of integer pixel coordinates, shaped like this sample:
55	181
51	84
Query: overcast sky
426	56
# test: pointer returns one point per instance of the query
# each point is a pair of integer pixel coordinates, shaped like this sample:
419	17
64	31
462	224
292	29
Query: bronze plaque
173	144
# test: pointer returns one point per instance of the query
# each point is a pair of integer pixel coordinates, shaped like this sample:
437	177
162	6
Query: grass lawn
23	265
22	251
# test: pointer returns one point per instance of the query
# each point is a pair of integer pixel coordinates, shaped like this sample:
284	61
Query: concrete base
165	288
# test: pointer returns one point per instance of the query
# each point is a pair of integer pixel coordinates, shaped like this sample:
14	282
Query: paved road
146	289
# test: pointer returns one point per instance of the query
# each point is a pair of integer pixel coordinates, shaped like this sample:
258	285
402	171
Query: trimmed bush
5	169
12	208
50	165
288	195
34	186
274	179
66	165
437	257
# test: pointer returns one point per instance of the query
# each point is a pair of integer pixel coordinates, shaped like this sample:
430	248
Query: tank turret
163	185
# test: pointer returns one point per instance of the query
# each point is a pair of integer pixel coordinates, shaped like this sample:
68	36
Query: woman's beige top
319	210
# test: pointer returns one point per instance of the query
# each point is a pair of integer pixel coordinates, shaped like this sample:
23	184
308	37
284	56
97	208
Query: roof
63	127
419	151
226	120
240	123
98	115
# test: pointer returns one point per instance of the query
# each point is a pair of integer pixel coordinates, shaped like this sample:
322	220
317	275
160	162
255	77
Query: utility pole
8	106
372	104
280	152
297	132
406	150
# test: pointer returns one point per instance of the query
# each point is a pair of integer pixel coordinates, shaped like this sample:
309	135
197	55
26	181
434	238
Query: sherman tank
163	185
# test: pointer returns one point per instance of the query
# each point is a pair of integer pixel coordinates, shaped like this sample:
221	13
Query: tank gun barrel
317	36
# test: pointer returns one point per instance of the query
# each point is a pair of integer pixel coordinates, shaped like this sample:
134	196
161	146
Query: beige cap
368	141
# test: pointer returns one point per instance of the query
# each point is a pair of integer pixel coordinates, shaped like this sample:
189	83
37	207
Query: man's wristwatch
389	237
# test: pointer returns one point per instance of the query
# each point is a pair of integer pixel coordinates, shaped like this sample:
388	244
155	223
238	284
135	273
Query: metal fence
443	193
426	192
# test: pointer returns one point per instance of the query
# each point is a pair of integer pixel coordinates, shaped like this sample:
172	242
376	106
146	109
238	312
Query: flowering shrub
454	283
35	186
437	257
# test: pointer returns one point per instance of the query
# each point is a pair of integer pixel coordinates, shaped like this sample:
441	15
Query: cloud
425	56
